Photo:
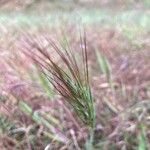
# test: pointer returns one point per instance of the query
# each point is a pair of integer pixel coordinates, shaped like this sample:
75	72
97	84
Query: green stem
89	143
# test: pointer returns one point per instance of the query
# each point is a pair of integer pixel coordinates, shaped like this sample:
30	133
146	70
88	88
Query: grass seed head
69	81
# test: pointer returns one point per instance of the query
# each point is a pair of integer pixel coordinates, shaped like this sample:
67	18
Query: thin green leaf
104	64
142	139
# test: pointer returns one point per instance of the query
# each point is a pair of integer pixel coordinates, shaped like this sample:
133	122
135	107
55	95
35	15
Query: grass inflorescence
71	81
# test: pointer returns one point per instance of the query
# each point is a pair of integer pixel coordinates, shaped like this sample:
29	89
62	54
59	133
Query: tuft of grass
69	81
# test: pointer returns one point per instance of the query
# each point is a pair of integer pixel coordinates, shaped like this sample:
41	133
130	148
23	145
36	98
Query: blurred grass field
33	116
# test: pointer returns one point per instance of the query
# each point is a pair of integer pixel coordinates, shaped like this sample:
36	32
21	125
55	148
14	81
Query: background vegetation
110	111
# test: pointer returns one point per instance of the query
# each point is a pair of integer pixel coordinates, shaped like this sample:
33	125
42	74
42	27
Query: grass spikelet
69	81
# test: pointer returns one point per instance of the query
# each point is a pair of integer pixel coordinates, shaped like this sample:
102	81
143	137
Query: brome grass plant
70	79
